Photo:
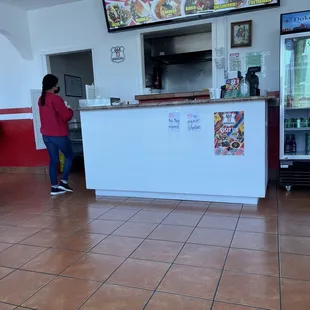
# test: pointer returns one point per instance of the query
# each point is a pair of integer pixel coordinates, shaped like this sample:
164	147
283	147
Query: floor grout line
223	269
279	250
154	291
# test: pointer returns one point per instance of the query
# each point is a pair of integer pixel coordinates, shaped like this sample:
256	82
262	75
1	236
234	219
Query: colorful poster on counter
193	122
174	121
229	133
129	13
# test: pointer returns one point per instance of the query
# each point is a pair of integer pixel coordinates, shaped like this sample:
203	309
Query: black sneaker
57	191
65	187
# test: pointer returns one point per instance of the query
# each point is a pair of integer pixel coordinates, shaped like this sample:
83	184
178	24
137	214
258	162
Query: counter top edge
176	103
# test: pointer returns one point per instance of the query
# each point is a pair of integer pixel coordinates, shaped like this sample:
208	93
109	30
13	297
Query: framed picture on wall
73	86
241	34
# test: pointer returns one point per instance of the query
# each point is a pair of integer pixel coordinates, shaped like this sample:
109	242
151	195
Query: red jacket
54	116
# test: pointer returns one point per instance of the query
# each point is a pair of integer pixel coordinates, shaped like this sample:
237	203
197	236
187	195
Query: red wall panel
17	145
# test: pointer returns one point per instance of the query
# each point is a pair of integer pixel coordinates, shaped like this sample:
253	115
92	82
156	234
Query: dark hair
48	82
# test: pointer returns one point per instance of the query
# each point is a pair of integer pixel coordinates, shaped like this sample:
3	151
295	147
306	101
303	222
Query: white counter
129	151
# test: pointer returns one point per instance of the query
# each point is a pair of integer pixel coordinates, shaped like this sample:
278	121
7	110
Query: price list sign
193	122
174	121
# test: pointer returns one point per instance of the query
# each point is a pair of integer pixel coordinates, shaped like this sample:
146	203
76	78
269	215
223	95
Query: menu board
124	14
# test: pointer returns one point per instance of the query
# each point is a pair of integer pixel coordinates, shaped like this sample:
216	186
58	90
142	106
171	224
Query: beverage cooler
295	100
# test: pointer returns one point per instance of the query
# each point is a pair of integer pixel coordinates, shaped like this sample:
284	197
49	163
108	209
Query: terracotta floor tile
294	228
133	229
159	207
112	297
266	225
169	202
294	215
102	227
18	255
185	219
225	306
210	236
53	261
95	267
203	256
116	245
45	238
295	245
141	200
4	246
163	301
90	213
4	228
155	217
20	285
41	221
295	266
295	294
118	215
60	212
219	222
62	294
190	210
171	233
15	219
251	211
69	224
80	241
249	290
159	251
255	241
7	307
4	271
260	262
17	234
224	209
191	281
140	274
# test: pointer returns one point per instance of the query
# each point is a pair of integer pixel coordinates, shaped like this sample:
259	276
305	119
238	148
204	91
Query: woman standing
55	116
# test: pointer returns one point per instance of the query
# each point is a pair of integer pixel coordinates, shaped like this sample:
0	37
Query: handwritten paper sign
174	121
193	122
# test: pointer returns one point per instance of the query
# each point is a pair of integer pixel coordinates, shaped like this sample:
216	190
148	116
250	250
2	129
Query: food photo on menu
128	13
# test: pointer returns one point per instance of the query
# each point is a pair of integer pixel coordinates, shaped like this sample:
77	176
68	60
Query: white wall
15	77
15	58
266	37
14	25
76	64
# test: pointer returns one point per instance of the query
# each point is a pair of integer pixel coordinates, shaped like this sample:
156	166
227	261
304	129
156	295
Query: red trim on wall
17	145
15	111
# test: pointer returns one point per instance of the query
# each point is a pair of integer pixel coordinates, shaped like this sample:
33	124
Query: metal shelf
297	108
297	129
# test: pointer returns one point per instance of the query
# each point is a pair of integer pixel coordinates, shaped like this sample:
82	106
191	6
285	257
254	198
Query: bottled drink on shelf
287	145
293	144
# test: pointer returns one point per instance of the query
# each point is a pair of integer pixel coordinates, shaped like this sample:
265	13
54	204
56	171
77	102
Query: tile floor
75	252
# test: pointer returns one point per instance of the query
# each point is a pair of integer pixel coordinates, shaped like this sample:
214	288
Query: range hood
182	49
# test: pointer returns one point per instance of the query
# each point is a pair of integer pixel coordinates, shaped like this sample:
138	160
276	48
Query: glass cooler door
295	97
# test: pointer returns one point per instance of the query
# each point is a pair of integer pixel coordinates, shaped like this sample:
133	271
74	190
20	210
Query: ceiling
36	4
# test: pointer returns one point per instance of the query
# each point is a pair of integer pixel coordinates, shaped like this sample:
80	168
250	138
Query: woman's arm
65	113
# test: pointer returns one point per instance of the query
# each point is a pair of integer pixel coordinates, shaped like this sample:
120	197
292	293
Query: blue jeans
54	145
